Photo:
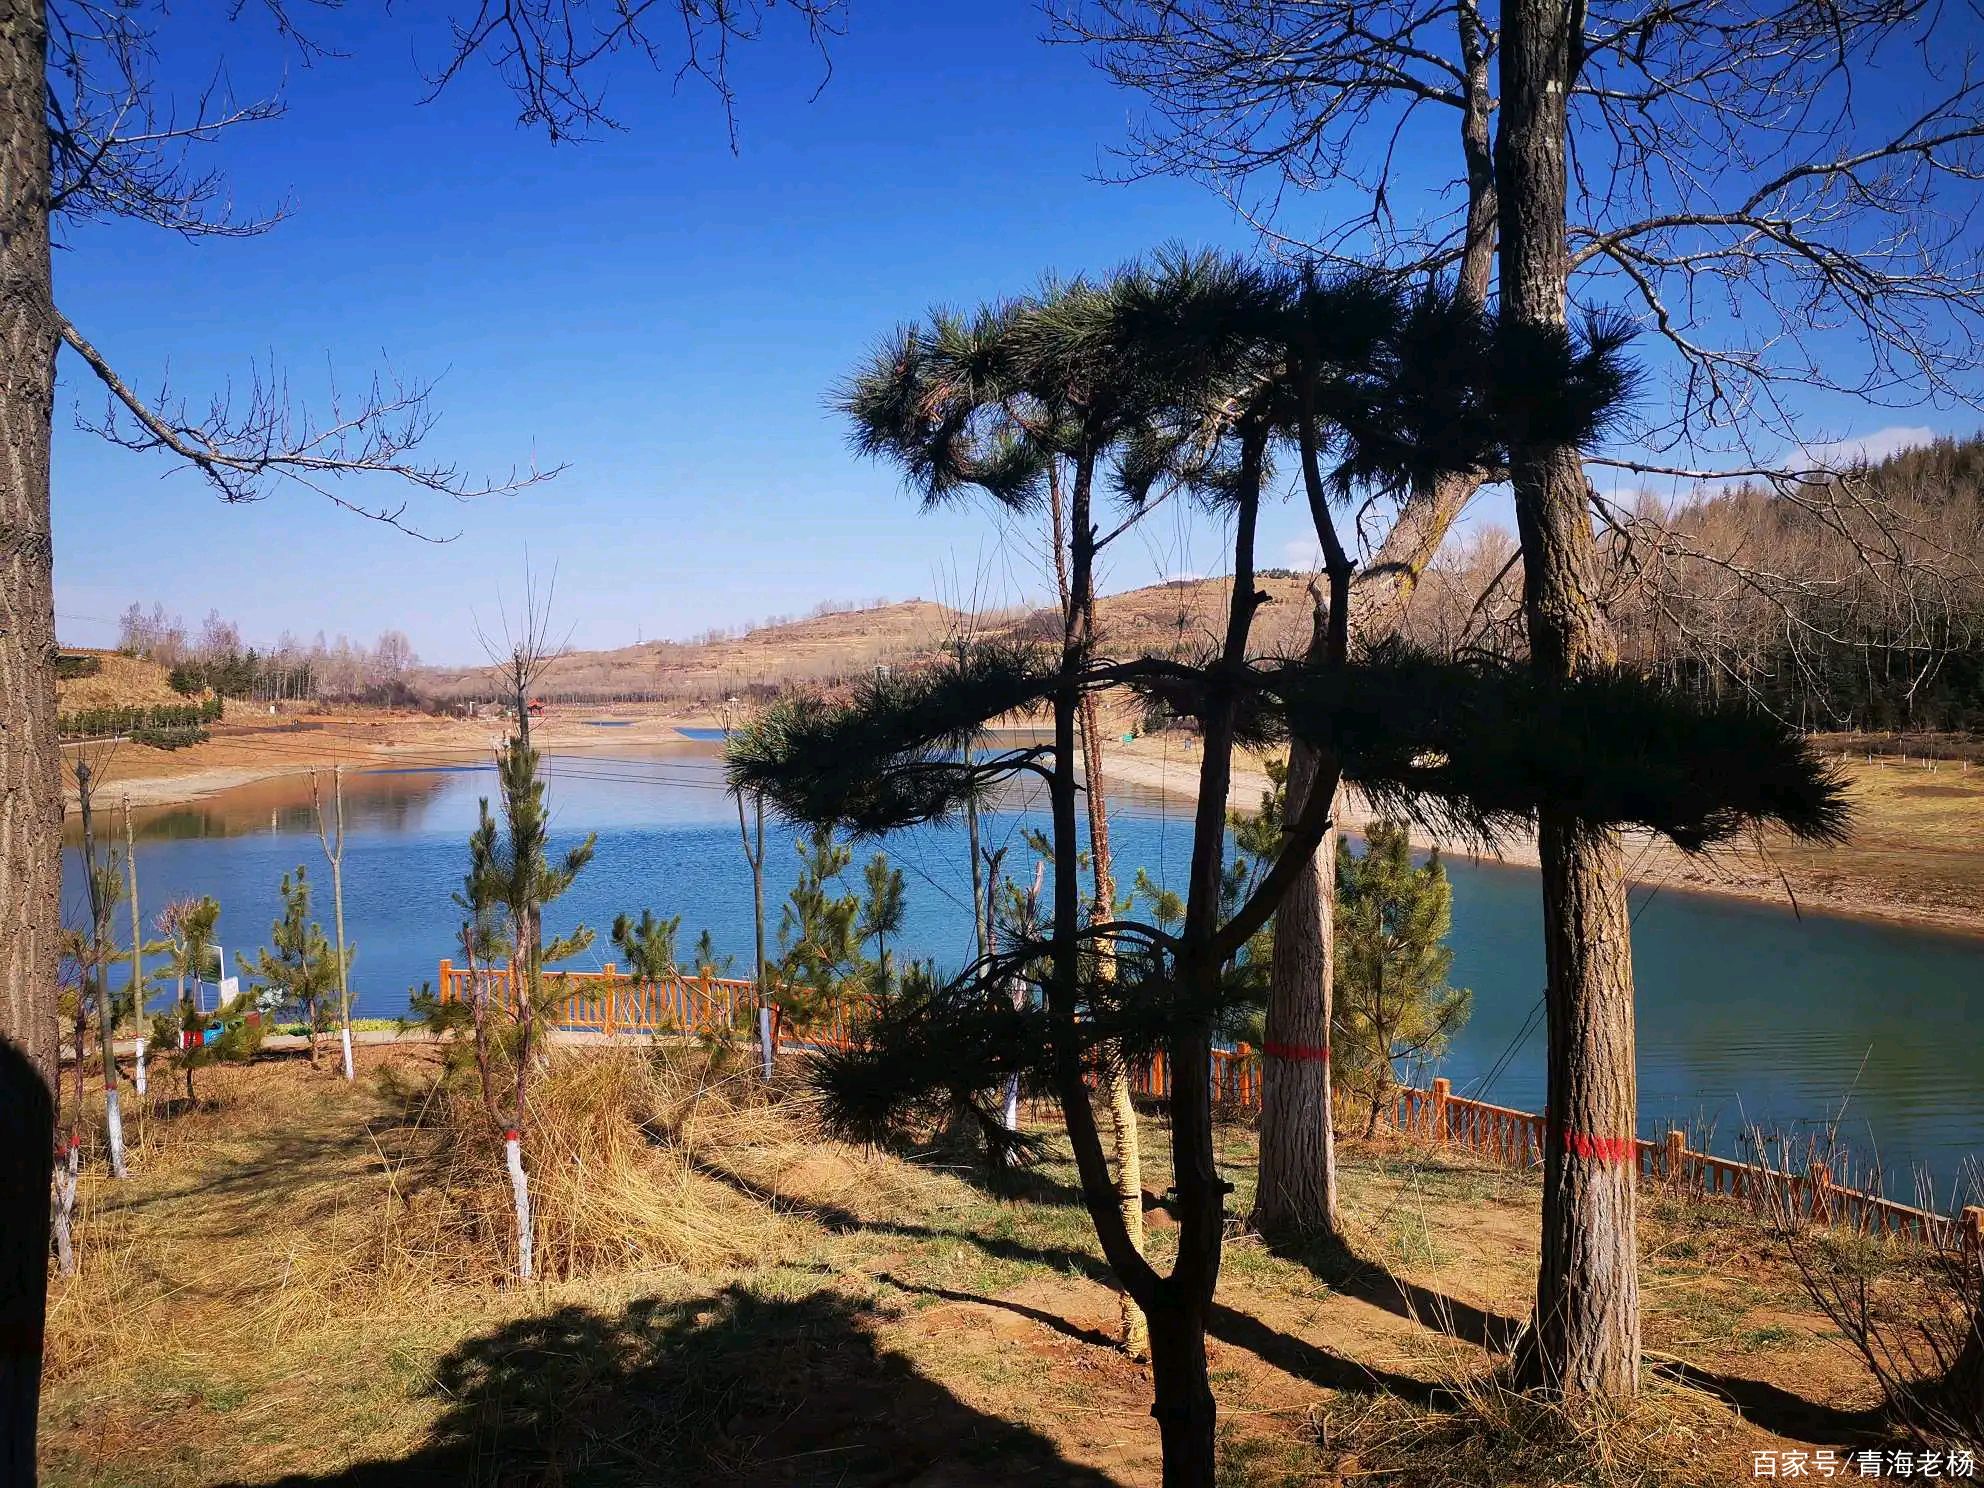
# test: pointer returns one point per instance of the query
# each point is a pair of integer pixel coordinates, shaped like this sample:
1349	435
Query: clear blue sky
656	313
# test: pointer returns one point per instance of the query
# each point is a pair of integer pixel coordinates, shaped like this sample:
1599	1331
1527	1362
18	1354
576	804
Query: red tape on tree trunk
1300	1053
1599	1149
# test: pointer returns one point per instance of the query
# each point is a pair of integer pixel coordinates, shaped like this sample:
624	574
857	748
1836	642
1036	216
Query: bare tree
85	134
332	838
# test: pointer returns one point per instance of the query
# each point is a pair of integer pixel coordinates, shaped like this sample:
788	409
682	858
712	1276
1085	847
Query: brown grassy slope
263	1303
822	648
120	682
1186	616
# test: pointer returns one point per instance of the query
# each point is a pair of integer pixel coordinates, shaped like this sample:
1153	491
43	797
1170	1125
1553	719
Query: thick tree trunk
1585	1336
1295	1193
30	779
1186	1413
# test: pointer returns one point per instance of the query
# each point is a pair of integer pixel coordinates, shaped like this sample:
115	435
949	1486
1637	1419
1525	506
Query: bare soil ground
251	1310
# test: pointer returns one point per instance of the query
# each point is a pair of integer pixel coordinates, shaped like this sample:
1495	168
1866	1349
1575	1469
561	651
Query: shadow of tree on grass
731	1387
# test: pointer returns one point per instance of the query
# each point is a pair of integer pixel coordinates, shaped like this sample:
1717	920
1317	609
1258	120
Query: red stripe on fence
1600	1149
1301	1053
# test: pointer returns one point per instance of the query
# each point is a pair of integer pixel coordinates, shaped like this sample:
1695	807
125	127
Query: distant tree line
217	661
162	723
1854	601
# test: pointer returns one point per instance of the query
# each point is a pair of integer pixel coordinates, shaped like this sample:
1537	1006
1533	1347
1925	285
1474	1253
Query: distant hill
114	681
1183	616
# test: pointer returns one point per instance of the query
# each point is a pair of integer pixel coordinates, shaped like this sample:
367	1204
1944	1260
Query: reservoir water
1747	1012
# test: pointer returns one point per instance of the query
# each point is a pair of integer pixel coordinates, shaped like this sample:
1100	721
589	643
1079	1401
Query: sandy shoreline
1834	886
240	755
1917	857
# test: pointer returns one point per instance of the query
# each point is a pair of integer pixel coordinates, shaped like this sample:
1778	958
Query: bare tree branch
550	54
241	452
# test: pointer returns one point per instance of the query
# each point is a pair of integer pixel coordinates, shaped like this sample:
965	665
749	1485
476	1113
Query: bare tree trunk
137	953
1585	1337
31	800
67	1174
1184	1406
1296	1190
333	842
99	978
1125	1141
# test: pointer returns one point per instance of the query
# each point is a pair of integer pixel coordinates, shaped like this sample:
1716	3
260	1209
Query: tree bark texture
30	780
1296	1189
1584	1339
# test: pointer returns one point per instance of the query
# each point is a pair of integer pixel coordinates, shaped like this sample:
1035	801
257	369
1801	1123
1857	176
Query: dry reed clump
1475	1431
618	1147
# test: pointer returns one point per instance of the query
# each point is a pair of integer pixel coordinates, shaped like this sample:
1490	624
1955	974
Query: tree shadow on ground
1351	1275
1285	1351
1770	1406
730	1387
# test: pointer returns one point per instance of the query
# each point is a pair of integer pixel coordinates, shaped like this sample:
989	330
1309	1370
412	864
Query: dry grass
119	682
307	1278
612	1186
1482	1434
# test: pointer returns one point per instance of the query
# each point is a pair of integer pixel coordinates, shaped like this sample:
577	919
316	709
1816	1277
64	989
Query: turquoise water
1747	1013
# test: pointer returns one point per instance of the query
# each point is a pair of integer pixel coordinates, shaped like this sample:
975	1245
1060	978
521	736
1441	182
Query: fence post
1677	1151
447	980
1442	1087
610	983
1972	1220
1821	1193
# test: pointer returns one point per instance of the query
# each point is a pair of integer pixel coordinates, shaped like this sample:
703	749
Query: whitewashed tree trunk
113	1125
140	1071
66	1173
346	1031
513	1157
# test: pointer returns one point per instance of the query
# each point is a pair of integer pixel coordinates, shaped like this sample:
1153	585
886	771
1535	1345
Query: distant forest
1854	603
215	660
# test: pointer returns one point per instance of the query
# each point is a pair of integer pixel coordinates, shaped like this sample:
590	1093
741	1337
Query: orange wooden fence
605	1002
608	1003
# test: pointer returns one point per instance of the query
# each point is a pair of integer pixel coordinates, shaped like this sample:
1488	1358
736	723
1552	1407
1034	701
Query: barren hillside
1187	616
118	681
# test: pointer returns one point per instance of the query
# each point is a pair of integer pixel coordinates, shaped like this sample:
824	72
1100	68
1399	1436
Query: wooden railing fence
606	1003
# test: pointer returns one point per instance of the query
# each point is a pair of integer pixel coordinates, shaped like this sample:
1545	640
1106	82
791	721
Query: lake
1747	1013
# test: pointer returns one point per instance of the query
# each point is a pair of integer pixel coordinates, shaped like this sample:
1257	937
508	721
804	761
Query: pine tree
820	959
1191	373
298	970
188	926
648	944
1393	1003
881	913
515	870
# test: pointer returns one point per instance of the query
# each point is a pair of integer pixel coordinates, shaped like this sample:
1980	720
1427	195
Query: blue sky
661	316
